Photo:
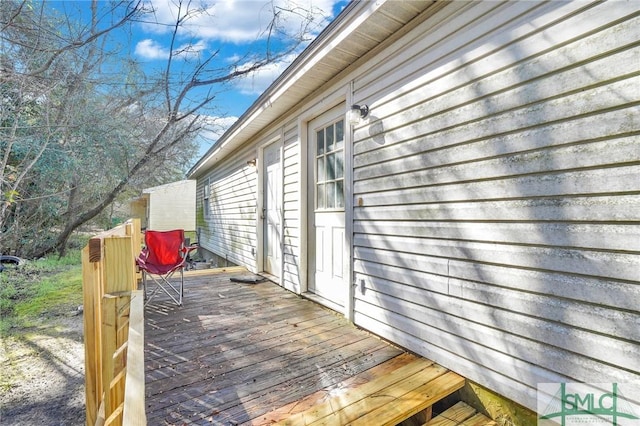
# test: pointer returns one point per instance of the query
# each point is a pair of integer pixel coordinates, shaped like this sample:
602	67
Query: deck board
239	353
236	351
461	414
320	397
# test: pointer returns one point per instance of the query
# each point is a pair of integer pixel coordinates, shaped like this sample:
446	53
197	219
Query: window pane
320	175
320	196
331	166
331	195
339	168
340	134
320	142
330	138
340	194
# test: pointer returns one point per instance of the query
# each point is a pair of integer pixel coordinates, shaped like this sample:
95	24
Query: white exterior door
272	210
326	232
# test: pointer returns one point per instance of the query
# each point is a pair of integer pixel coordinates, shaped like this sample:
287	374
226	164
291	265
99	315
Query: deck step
386	400
460	414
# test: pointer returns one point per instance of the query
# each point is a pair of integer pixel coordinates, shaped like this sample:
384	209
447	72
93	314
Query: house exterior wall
227	227
171	206
495	193
292	271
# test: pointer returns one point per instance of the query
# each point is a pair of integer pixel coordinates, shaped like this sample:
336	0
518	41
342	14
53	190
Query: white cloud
214	128
257	82
149	49
238	21
191	50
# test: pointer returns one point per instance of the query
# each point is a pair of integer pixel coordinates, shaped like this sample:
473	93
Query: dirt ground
42	373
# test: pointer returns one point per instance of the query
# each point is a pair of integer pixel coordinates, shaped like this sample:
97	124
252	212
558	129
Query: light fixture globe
358	112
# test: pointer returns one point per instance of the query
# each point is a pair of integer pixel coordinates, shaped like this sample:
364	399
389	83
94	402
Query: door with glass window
326	208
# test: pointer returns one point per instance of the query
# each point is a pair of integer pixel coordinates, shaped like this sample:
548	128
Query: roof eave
303	65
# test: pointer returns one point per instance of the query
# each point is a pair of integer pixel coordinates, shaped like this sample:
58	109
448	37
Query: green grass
40	289
53	293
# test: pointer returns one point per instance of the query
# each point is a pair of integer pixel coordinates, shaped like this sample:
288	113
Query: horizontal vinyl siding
172	209
291	199
497	227
230	229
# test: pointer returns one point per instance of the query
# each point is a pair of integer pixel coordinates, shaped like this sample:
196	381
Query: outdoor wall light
252	163
358	112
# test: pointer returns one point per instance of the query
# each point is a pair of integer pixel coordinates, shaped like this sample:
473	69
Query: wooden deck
255	354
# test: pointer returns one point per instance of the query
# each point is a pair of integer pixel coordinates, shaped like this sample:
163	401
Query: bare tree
74	137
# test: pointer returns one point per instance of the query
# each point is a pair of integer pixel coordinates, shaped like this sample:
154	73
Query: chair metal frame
164	254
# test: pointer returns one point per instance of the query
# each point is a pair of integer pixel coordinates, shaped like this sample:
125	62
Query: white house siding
291	199
170	206
497	193
230	229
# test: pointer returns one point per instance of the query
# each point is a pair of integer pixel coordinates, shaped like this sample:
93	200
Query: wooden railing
113	328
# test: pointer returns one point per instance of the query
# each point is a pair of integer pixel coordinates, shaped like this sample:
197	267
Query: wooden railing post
119	272
134	230
109	285
92	296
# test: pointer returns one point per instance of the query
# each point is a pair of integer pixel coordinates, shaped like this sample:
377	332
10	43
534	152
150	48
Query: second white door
272	210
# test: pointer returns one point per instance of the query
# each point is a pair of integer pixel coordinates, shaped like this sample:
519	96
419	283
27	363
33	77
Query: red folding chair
164	254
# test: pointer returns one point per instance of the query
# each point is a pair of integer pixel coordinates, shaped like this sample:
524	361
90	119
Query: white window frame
206	198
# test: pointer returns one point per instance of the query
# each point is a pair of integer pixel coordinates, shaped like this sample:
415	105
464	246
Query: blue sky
231	27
